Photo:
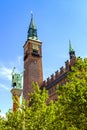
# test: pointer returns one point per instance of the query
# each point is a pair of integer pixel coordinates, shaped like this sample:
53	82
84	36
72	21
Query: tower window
35	51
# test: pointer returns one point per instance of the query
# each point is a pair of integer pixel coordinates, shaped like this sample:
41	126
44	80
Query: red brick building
33	65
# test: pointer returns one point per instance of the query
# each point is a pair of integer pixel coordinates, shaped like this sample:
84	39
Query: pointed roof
32	24
32	31
70	47
71	51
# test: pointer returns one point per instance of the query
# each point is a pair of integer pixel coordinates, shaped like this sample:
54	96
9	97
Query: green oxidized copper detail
70	47
32	31
17	80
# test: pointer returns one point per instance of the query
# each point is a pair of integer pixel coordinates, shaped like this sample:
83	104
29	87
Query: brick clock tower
32	60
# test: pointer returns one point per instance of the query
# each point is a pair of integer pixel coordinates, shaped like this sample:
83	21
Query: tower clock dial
35	47
35	50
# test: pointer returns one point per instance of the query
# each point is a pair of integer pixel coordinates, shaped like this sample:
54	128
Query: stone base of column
16	93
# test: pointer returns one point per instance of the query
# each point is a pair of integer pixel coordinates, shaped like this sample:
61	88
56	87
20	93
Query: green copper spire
71	50
32	31
70	47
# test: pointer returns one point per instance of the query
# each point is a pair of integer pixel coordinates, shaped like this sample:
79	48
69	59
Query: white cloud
4	86
5	72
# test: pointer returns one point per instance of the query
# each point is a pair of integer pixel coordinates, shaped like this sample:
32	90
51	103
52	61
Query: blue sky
57	21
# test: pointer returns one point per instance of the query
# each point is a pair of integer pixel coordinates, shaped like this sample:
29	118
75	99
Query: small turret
71	51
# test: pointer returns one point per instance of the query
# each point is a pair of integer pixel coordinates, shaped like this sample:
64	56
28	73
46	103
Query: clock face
35	47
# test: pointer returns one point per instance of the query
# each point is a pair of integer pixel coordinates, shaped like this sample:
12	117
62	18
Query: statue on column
17	88
17	79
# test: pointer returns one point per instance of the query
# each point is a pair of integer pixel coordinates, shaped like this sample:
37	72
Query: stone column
16	93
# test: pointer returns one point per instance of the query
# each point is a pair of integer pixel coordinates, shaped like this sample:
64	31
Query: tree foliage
68	113
33	114
72	97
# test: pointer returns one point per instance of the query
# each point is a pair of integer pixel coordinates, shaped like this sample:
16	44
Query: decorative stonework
58	76
16	91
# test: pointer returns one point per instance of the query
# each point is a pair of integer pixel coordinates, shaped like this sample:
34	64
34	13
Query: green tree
2	122
39	116
72	98
33	114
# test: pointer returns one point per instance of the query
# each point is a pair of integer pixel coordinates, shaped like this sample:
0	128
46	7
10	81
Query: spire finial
70	47
31	14
69	41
